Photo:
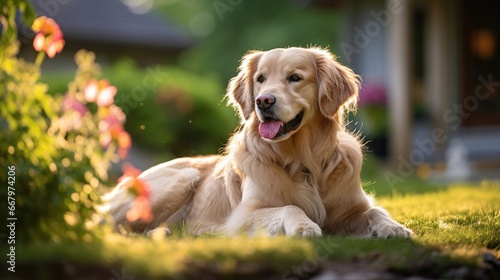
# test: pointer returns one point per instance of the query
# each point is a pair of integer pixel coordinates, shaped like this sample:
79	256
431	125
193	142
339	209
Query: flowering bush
61	147
372	118
174	111
169	110
49	37
141	207
372	111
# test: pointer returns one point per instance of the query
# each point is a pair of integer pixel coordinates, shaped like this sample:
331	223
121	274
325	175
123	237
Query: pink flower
100	92
372	94
73	112
141	206
105	139
71	104
114	118
111	127
49	37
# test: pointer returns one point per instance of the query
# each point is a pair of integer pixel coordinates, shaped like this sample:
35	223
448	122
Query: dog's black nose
265	101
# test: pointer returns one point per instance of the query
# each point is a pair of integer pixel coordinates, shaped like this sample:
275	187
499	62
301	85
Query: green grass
454	227
456	215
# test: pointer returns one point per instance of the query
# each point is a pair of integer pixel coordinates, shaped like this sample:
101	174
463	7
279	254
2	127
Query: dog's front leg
290	220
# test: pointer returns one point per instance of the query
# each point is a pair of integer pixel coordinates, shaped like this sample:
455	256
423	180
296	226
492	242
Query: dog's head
286	88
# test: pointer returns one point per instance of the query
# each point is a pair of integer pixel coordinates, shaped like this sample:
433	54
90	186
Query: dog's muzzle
272	128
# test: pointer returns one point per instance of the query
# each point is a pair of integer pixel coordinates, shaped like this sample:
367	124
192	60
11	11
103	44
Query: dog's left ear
240	88
338	85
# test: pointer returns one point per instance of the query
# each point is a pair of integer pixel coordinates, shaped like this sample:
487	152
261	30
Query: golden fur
304	182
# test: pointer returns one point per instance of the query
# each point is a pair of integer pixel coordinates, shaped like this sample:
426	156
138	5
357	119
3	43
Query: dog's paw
390	228
158	233
303	229
296	223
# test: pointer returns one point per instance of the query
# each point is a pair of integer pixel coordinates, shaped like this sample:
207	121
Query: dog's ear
240	88
338	85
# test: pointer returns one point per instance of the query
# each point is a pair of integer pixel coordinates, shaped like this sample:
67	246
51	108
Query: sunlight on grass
177	255
462	214
454	226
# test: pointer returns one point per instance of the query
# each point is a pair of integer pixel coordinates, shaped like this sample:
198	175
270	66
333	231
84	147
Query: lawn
457	227
457	236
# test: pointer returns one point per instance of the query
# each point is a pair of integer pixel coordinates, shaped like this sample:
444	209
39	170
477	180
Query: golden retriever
291	168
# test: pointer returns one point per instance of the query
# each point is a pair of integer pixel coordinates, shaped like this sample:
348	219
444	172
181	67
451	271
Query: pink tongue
269	129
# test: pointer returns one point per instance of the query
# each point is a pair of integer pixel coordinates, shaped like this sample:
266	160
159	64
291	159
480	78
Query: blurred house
440	64
112	29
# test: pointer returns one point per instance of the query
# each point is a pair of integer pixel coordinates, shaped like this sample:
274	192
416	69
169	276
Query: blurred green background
174	104
171	61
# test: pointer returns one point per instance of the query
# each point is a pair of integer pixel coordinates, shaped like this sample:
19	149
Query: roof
111	21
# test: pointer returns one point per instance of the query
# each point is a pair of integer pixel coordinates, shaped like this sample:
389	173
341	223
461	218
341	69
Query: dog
291	168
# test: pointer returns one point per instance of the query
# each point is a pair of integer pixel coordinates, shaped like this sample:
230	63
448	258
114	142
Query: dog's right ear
240	88
338	85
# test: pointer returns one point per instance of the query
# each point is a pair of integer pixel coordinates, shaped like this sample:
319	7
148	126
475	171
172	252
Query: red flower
101	92
124	144
141	206
111	127
49	36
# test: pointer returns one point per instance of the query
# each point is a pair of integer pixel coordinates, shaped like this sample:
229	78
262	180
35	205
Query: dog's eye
294	78
261	79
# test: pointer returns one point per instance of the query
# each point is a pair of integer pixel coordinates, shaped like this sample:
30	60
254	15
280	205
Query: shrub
59	147
169	110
